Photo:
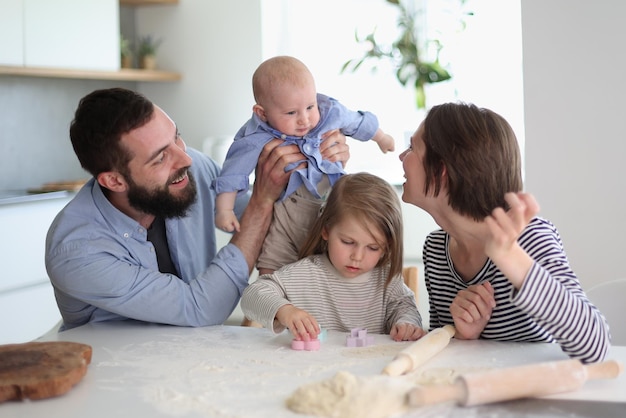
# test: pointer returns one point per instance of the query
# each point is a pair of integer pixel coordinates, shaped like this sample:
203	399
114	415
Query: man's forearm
255	222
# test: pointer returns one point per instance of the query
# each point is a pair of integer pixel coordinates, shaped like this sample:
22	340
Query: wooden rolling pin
420	351
515	383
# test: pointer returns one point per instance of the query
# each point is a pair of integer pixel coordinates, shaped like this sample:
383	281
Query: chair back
409	274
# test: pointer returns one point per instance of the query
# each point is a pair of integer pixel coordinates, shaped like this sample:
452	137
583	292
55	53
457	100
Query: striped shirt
337	303
550	307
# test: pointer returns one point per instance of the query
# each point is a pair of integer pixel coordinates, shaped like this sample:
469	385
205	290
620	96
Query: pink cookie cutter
358	338
312	345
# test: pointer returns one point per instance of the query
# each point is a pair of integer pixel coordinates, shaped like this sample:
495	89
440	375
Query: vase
148	62
127	61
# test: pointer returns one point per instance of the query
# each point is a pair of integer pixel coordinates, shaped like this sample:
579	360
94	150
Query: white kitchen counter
146	370
27	305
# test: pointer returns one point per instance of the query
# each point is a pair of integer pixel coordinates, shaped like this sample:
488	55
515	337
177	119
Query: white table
147	370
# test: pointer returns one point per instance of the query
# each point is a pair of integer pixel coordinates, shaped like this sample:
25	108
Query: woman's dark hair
479	151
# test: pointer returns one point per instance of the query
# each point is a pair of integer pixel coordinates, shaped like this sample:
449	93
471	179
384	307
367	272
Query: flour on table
348	396
381	350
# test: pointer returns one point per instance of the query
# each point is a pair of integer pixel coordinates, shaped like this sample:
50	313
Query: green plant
148	45
405	53
126	49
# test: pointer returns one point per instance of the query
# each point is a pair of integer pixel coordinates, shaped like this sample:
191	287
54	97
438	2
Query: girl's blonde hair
367	198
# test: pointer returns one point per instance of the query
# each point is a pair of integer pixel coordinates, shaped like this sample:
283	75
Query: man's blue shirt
103	267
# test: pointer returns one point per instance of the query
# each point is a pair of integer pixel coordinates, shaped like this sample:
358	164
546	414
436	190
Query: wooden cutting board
72	186
38	370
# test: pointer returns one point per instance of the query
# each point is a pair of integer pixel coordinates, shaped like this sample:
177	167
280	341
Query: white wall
216	45
574	92
466	54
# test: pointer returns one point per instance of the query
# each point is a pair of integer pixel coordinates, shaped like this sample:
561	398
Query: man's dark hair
102	117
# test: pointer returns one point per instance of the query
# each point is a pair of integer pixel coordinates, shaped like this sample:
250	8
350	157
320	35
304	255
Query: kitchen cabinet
27	313
46	39
11	30
27	305
72	34
60	34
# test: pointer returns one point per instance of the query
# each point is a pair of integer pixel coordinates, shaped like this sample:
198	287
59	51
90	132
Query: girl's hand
471	310
301	324
406	332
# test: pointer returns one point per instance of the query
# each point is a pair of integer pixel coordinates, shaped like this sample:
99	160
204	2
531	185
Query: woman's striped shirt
550	307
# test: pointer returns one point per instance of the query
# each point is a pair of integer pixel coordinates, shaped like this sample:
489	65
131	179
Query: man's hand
270	180
271	177
471	310
334	147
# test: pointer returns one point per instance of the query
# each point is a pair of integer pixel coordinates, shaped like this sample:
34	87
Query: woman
495	270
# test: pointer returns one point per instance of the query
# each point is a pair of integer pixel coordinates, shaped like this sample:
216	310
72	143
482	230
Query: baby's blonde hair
367	198
279	70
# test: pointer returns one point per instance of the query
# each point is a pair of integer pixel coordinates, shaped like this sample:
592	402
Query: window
485	60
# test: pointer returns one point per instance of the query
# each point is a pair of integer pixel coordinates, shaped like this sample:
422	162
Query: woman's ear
260	112
443	171
113	181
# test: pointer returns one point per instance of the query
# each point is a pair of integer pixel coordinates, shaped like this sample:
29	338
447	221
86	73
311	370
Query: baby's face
292	109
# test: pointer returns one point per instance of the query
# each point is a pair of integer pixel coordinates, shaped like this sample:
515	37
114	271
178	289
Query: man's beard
160	202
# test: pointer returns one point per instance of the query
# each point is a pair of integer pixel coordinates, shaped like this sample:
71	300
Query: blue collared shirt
243	154
103	267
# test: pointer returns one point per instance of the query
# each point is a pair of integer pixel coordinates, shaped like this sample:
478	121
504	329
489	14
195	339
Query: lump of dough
348	396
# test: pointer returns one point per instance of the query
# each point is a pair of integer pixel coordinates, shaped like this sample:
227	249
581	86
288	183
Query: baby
289	107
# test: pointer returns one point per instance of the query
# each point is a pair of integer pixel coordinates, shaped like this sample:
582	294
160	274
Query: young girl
495	270
350	275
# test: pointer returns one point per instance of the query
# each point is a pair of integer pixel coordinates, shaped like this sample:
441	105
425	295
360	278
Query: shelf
146	2
125	74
